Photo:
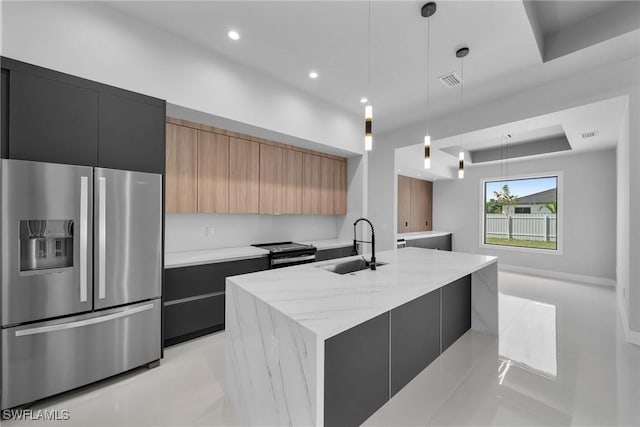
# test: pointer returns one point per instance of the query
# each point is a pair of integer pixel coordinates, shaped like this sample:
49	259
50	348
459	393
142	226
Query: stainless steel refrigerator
80	271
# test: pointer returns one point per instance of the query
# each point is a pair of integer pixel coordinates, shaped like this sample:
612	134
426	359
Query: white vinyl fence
521	226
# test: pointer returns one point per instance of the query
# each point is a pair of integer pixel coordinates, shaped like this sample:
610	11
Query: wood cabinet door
429	212
326	185
181	175
291	182
244	176
404	204
271	179
213	172
311	184
339	187
418	205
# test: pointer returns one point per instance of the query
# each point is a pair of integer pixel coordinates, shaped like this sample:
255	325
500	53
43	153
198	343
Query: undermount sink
350	266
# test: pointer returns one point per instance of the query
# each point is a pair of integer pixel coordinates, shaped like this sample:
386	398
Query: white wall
99	43
96	42
186	232
587	205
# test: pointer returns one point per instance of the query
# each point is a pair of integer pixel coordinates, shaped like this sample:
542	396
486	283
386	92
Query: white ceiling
286	39
604	117
554	16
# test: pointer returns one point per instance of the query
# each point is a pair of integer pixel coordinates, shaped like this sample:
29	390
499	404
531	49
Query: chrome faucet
371	263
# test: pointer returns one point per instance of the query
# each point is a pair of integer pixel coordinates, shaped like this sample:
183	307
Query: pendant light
368	109
461	53
428	10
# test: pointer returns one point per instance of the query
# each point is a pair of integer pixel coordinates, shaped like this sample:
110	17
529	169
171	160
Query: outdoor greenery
500	200
537	244
552	206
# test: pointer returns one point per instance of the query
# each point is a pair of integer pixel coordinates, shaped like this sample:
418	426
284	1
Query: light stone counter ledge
278	323
210	256
422	234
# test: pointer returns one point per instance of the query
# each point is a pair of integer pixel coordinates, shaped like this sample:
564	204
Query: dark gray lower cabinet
456	310
356	373
326	254
442	243
368	364
194	297
415	338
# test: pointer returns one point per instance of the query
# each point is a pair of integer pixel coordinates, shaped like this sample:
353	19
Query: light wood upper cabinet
213	172
181	173
271	176
415	200
326	186
404	203
311	183
339	187
291	182
418	205
244	176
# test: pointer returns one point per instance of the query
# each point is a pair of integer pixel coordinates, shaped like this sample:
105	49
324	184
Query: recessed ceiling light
313	75
363	100
233	35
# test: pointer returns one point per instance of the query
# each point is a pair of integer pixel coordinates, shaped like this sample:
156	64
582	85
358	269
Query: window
521	212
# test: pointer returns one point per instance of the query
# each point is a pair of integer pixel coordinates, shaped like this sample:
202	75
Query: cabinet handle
102	237
406	224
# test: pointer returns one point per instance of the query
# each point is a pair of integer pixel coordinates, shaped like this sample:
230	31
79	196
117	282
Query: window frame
559	216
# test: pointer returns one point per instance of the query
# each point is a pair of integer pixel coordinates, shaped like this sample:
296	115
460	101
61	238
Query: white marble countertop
327	303
210	256
422	234
329	243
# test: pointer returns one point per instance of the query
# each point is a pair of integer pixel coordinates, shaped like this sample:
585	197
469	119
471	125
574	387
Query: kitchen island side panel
484	299
272	364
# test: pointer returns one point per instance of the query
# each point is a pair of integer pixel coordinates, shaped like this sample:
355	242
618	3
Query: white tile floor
560	360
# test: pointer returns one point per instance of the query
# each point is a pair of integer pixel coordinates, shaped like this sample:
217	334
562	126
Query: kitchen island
307	346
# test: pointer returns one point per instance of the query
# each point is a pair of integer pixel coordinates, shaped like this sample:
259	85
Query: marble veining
270	363
484	299
327	303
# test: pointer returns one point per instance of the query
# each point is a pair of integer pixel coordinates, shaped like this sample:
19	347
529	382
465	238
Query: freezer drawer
128	233
43	359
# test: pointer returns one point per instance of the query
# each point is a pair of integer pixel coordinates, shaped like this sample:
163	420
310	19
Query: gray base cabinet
456	310
442	243
194	297
367	365
356	381
327	254
415	338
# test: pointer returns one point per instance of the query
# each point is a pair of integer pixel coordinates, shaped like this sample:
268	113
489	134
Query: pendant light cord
461	98
428	68
369	54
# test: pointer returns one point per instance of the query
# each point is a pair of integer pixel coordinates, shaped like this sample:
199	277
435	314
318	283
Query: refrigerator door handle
84	226
102	237
81	323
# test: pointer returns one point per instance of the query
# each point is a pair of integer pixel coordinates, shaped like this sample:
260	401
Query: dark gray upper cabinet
49	116
131	135
50	121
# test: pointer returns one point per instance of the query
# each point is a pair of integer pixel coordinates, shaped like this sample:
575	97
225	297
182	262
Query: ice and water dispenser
45	244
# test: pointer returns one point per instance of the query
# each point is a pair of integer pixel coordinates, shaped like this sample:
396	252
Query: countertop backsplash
190	232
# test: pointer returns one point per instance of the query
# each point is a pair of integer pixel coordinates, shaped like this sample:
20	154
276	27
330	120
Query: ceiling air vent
450	79
590	134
